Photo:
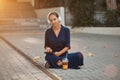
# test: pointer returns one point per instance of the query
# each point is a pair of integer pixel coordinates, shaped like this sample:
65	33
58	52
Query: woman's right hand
48	49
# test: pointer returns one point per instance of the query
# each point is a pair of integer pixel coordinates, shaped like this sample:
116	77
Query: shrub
82	12
112	18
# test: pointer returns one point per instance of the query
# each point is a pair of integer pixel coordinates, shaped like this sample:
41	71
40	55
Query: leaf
36	58
90	54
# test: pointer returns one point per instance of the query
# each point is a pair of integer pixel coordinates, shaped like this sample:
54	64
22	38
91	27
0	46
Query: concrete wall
42	13
31	1
98	30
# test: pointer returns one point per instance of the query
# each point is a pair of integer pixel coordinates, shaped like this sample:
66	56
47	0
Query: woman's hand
62	51
48	49
57	53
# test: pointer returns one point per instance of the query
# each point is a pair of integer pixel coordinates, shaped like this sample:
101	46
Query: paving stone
14	66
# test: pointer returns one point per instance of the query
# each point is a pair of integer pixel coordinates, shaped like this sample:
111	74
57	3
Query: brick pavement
102	57
13	66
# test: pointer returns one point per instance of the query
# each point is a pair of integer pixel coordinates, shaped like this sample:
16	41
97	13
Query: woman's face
54	20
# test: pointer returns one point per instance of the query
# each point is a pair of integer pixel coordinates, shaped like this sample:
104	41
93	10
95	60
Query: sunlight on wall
4	4
1	4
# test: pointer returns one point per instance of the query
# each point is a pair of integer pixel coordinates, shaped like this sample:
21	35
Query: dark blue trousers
75	59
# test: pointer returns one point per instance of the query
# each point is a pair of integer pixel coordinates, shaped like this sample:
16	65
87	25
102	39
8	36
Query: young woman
57	44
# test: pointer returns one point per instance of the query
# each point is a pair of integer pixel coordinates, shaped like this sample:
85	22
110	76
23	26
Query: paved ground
101	53
13	66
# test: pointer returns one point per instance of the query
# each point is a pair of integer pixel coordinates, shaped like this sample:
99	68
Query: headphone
57	15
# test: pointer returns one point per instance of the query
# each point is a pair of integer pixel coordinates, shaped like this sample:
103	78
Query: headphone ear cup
48	18
48	21
59	18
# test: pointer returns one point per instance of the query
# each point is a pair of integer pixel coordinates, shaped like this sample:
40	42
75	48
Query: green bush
82	12
112	16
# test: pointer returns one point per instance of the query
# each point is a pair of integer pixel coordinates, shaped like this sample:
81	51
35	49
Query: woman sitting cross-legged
57	44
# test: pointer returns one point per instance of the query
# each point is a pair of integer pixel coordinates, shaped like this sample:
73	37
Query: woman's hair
53	13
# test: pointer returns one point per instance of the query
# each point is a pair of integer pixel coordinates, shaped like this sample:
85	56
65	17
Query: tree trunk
111	4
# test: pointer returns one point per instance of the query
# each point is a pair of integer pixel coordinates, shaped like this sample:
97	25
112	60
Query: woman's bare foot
59	63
